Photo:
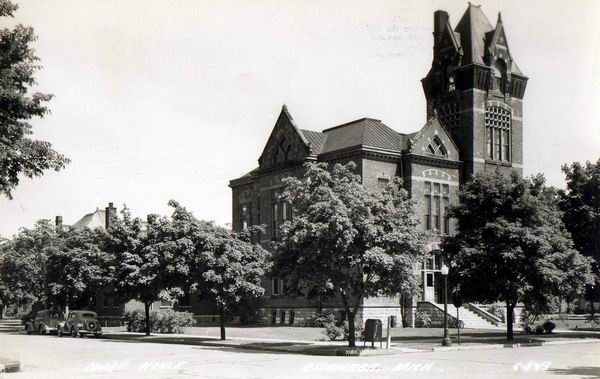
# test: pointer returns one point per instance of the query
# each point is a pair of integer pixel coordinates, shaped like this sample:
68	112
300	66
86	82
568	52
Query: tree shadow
587	372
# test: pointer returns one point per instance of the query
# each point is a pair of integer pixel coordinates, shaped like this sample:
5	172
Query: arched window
282	151
436	147
500	75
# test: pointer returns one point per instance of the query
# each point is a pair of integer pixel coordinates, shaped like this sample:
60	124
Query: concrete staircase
470	318
11	325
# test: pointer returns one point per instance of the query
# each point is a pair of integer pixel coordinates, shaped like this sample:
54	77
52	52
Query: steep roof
366	132
473	27
315	139
96	219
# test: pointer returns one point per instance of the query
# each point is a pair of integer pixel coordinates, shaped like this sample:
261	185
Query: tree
77	266
347	241
153	263
580	203
231	268
512	245
23	265
20	154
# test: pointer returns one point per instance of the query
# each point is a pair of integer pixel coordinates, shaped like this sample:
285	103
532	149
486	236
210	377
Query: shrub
497	311
453	323
320	320
136	321
422	320
334	332
168	321
171	321
548	326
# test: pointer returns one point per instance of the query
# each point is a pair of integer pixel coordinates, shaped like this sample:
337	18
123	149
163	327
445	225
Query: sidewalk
420	340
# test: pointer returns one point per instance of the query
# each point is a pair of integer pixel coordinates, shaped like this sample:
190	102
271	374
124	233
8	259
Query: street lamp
446	340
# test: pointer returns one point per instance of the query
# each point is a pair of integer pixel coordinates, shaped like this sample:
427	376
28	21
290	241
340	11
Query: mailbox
373	330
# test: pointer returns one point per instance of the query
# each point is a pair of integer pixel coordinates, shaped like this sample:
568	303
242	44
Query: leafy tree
20	154
152	263
512	245
23	265
580	203
77	266
231	268
347	241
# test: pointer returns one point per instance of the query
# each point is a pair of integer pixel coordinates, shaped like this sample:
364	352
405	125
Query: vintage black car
80	324
45	321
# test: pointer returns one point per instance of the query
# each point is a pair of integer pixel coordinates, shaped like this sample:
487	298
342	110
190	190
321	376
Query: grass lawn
572	322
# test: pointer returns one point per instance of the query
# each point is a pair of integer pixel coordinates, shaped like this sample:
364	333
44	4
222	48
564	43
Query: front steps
11	325
470	319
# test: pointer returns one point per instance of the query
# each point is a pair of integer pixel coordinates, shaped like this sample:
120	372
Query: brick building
474	93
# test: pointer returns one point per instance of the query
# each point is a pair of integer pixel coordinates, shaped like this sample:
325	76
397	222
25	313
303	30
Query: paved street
52	357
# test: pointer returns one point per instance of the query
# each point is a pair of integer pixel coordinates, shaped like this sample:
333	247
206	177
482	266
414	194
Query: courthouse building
474	91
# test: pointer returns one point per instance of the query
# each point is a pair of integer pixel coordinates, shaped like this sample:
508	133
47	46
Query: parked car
45	321
80	323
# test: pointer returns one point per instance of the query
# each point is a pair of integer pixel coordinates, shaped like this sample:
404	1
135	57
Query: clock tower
476	88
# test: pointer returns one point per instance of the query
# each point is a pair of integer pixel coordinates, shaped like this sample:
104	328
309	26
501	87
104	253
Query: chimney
58	221
440	19
111	213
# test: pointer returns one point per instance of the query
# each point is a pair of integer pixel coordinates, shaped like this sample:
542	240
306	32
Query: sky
159	100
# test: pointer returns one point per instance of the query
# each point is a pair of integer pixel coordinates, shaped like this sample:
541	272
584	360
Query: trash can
373	330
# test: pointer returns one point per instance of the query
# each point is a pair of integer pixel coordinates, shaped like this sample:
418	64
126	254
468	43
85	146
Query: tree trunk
509	321
351	328
222	321
592	308
147	310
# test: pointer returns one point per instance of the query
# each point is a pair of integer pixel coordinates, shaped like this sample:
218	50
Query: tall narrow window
276	213
245	215
505	146
275	286
489	143
446	229
428	212
275	218
497	150
436	212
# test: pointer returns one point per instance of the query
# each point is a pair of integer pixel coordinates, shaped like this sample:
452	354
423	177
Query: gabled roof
365	132
473	27
96	219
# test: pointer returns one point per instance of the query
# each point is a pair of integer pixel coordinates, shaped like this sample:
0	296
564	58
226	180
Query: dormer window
436	147
500	76
282	151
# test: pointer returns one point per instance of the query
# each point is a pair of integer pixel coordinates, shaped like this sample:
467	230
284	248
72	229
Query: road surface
53	357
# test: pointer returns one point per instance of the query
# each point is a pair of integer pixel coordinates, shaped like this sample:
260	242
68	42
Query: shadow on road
579	371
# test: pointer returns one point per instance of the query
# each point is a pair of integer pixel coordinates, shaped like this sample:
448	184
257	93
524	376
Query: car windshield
88	315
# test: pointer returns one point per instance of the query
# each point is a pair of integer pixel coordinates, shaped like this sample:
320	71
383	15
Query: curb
515	345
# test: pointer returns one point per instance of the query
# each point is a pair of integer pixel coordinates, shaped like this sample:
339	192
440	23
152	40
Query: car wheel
81	335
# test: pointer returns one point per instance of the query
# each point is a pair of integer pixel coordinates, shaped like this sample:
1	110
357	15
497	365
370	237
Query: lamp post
446	340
